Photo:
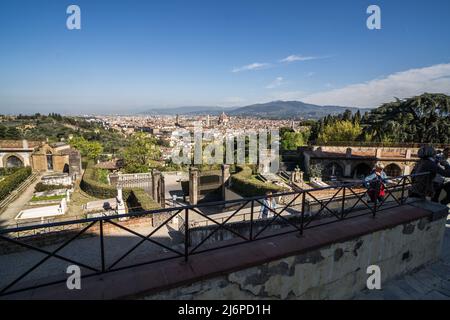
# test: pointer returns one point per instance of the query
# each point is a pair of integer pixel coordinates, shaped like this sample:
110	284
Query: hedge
11	182
141	200
91	185
243	183
40	187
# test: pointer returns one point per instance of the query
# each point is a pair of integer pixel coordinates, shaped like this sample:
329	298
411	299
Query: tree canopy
421	119
341	130
141	153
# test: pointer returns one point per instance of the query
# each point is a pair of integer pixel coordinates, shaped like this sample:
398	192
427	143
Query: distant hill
273	110
289	109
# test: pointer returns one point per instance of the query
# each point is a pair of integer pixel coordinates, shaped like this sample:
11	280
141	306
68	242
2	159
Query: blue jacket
383	177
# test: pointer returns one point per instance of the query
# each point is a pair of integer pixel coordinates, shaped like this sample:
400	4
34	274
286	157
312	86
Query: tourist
423	186
440	182
267	204
375	183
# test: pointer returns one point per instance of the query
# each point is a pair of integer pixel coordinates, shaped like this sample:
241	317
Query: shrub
141	200
244	183
40	187
11	182
91	185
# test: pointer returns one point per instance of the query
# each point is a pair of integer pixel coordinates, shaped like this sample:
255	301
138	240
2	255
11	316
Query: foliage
244	183
9	133
141	153
11	182
89	149
341	130
102	175
315	171
40	187
139	199
95	188
291	140
420	119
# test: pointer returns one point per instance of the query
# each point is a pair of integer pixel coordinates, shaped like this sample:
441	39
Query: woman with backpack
375	183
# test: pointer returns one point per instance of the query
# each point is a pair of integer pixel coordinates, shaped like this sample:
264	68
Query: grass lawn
46	198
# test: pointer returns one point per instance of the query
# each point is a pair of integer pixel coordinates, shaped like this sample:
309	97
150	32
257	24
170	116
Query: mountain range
272	110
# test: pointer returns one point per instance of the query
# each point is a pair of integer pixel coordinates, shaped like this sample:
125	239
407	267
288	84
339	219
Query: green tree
141	153
89	149
340	131
292	140
421	119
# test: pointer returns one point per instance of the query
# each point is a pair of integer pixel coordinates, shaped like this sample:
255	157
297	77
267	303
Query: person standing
423	186
375	183
267	204
440	182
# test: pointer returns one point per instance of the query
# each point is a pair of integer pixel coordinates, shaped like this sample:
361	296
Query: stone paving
431	282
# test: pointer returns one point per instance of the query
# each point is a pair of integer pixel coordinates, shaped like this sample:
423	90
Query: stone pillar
162	192
378	153
408	154
120	207
348	152
156	176
193	185
407	170
348	170
225	179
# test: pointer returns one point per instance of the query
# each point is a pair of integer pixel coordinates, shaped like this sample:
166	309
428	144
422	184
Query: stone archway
13	161
362	170
393	170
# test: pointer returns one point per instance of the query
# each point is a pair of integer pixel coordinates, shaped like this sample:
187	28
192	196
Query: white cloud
251	67
405	84
310	74
275	83
295	57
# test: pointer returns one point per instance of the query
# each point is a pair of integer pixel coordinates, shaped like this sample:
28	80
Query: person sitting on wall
375	183
268	203
441	183
423	186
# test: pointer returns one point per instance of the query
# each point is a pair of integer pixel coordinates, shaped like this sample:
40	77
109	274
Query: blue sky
131	55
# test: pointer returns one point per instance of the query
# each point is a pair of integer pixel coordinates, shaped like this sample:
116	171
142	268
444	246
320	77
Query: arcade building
40	156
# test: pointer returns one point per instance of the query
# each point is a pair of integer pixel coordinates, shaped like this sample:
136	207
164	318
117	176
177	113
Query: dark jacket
423	185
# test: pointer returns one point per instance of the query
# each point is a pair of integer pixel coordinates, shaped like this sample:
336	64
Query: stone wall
337	271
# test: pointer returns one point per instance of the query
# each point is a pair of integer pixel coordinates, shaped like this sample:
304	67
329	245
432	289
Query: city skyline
132	56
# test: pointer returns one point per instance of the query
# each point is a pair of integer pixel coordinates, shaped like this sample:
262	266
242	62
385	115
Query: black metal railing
296	215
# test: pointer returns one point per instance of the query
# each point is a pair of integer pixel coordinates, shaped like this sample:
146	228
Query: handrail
257	225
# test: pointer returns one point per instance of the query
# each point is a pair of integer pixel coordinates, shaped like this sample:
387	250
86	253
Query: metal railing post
403	191
343	203
251	220
102	246
186	234
302	217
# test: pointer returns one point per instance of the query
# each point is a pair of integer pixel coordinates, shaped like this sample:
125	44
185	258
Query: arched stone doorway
362	170
393	170
13	162
332	169
49	161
